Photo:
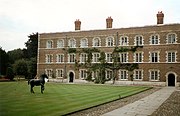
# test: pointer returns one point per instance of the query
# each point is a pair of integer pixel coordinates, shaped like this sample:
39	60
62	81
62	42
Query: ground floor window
138	74
83	74
154	75
59	73
49	72
123	74
109	74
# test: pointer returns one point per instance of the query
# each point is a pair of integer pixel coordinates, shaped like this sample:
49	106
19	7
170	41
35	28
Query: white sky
19	18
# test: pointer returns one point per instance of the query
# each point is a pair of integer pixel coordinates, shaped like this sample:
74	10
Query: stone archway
171	79
71	77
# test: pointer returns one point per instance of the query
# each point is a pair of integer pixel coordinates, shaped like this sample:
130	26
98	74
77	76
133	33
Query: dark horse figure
38	82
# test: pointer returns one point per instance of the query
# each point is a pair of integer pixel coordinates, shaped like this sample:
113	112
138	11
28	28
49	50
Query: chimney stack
109	21
77	24
160	17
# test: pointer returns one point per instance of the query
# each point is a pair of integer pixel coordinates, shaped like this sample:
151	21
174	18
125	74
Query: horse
38	82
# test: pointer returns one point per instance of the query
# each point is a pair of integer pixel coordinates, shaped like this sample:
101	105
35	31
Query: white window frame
109	74
60	58
138	57
110	41
154	75
71	58
59	73
138	74
49	58
124	41
49	44
49	72
152	56
172	58
60	43
83	57
123	74
123	57
138	40
154	39
95	58
170	39
72	43
95	74
84	43
109	57
96	43
82	74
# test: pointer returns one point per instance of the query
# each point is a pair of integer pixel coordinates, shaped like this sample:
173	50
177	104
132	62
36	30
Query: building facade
158	58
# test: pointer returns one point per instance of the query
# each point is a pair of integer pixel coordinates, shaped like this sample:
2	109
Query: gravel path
171	107
99	110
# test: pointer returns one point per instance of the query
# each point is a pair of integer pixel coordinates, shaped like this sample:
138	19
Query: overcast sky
19	18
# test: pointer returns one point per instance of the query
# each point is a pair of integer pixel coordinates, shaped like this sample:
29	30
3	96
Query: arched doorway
71	77
171	79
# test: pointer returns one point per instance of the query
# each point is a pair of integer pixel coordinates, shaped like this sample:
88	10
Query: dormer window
60	43
72	43
123	41
49	44
154	39
96	42
171	38
109	41
84	42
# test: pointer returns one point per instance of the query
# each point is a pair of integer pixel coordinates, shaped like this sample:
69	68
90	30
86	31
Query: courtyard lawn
58	99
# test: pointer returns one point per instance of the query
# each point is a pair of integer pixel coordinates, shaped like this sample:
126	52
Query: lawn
58	99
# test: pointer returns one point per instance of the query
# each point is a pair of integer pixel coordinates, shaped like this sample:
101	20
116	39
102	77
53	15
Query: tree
32	67
21	67
3	61
15	55
10	73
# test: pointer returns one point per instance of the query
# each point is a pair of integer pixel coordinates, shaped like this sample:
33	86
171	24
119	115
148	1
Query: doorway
71	77
171	79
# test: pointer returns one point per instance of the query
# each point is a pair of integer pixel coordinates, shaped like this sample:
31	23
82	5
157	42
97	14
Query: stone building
158	58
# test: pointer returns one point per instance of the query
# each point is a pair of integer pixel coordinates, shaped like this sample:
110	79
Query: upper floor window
96	57
60	58
123	74
49	44
109	58
49	58
170	56
154	75
84	42
138	57
124	41
96	42
83	74
71	58
83	57
60	43
72	43
123	57
109	41
171	38
154	56
154	39
138	40
59	73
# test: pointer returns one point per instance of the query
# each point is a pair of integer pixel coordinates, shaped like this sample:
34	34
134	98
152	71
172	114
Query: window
95	74
83	74
72	43
138	57
49	72
60	58
84	42
138	74
154	56
49	44
109	57
96	57
138	40
124	41
96	42
170	56
171	38
123	57
60	43
123	74
83	57
71	58
109	74
59	73
49	58
154	39
109	41
154	75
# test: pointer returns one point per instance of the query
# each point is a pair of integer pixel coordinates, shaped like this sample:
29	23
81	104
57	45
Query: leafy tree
15	55
10	73
21	67
3	61
32	67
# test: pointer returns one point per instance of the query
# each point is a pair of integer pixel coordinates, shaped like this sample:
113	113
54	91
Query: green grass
58	99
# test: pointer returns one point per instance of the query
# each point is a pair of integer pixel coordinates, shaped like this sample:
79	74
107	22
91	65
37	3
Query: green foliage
10	73
3	61
21	67
72	50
